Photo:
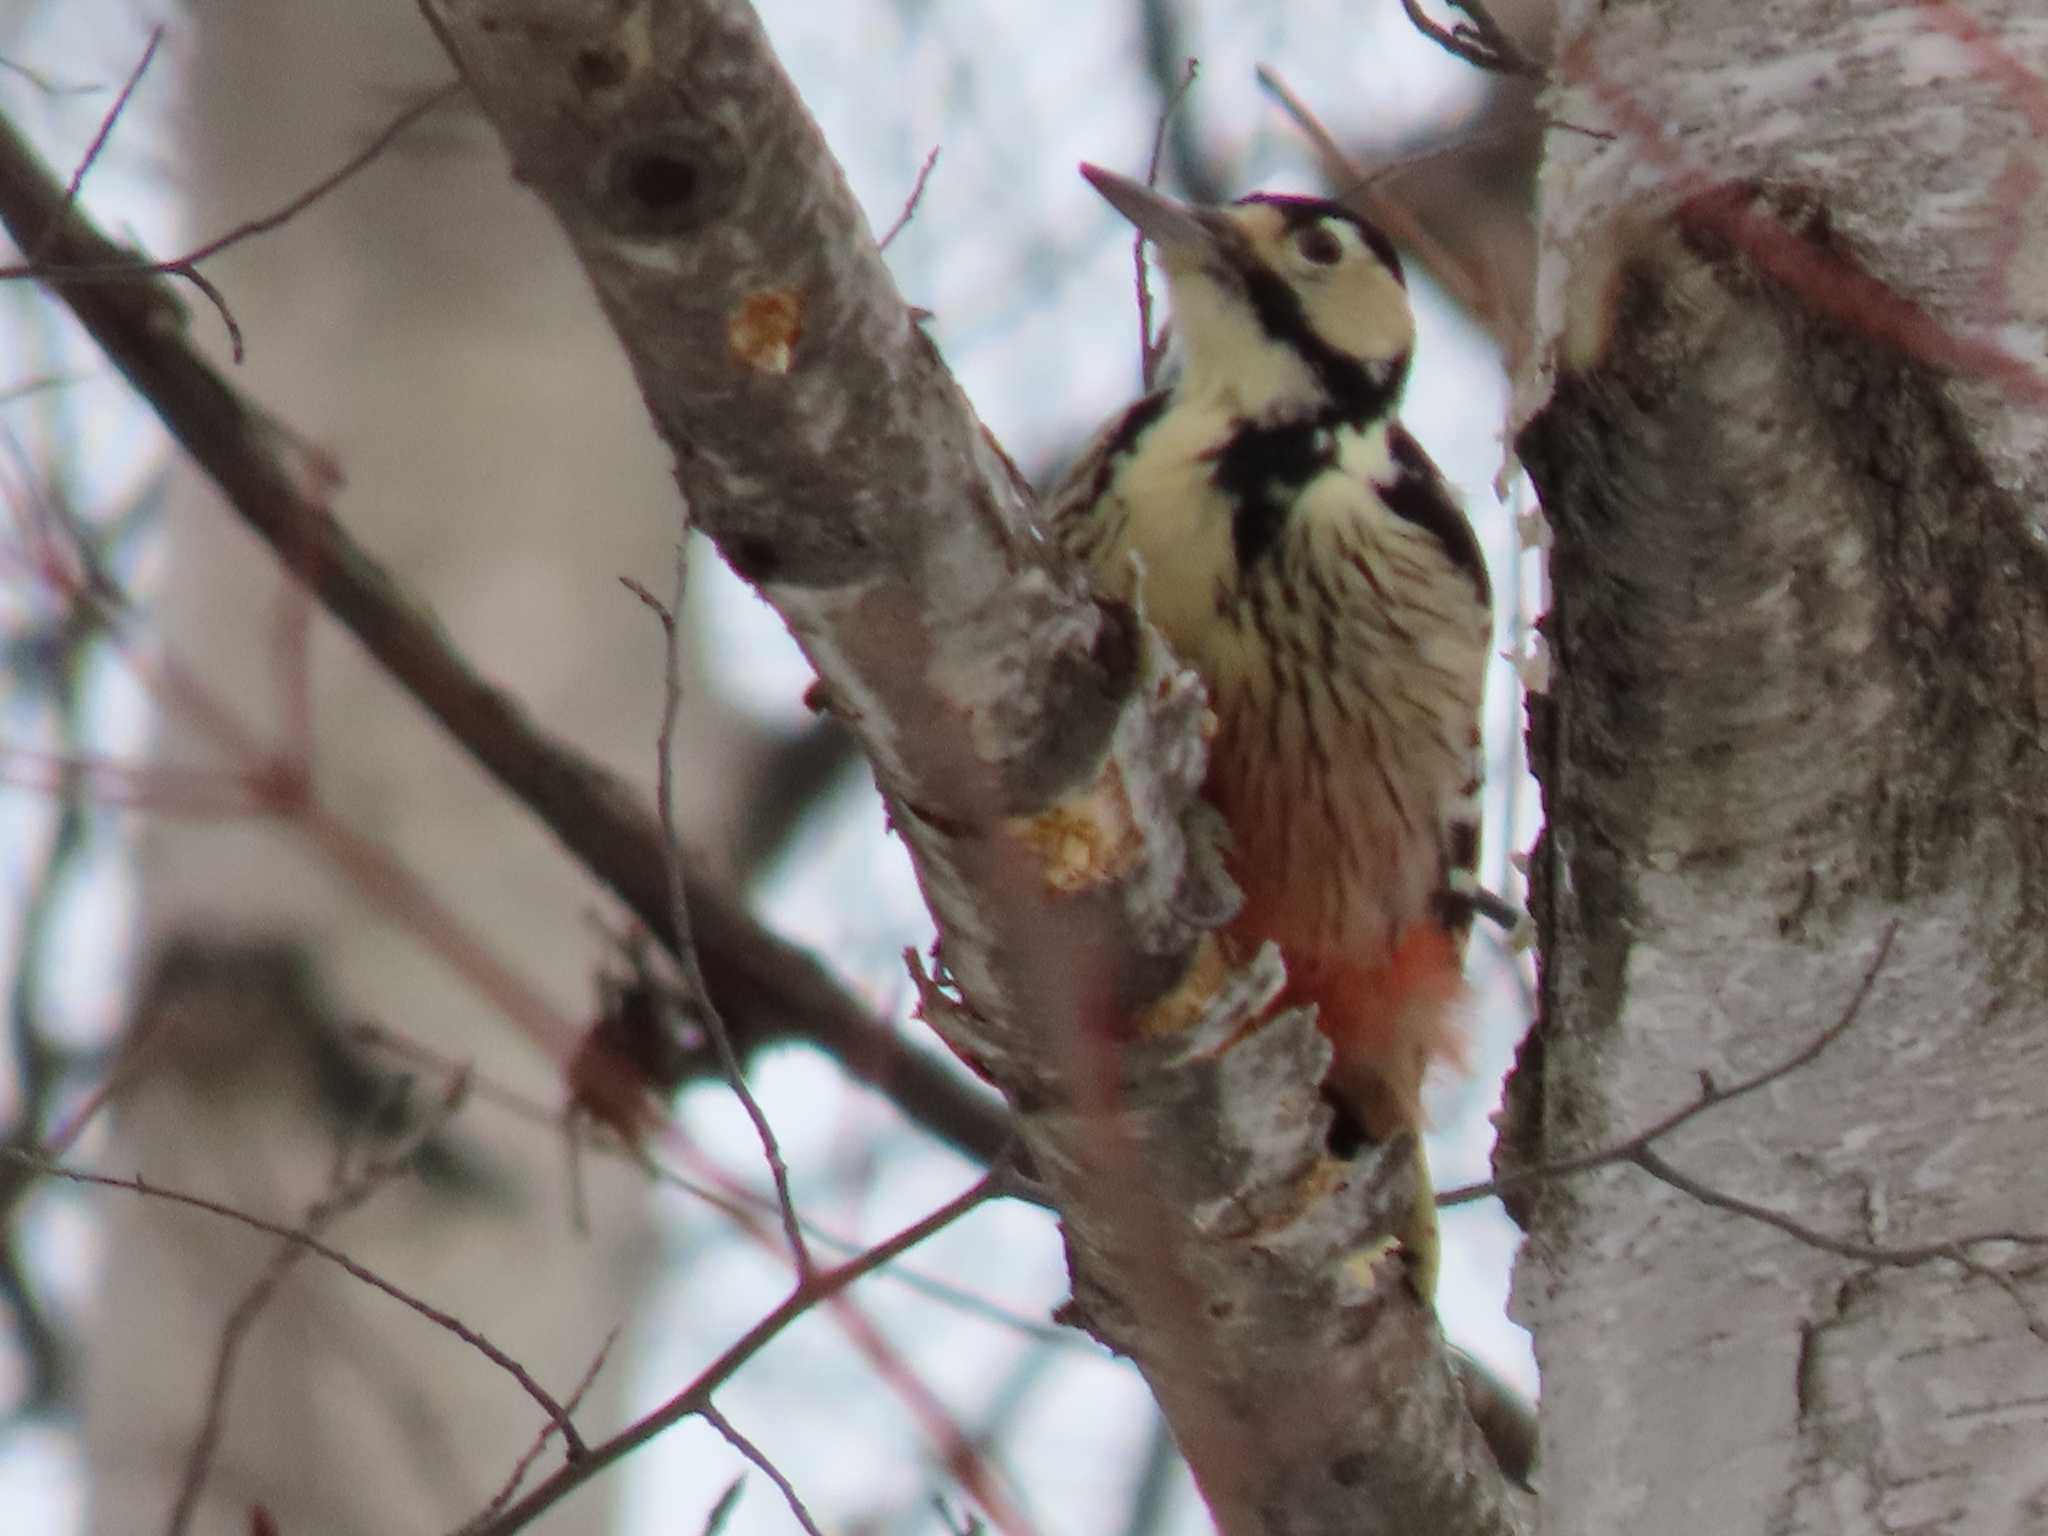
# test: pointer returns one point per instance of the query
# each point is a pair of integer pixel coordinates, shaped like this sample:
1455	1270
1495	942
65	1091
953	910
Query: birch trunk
1788	430
426	328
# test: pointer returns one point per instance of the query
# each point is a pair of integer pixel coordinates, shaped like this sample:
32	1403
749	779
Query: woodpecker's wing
1419	494
1081	521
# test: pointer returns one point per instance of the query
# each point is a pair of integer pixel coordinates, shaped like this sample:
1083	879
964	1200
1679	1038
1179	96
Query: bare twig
1904	1256
682	942
123	267
137	1049
1639	1151
693	1399
1954	1250
1152	349
43	82
400	124
778	988
271	783
348	1195
759	1458
433	1314
1480	42
924	173
2030	1315
547	1431
1498	910
104	133
1711	1096
1358	186
1161	41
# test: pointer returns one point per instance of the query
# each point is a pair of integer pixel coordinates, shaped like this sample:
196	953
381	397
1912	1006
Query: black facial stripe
1360	392
1418	493
1298	211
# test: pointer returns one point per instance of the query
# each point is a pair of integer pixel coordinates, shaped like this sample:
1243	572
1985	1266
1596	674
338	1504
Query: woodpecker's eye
1319	243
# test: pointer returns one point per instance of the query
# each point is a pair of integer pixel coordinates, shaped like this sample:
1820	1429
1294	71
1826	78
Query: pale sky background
1028	276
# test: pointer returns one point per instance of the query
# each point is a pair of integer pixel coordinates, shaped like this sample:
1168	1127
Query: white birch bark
426	327
1799	624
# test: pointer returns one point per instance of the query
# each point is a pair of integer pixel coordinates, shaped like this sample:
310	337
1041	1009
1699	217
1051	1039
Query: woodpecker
1296	547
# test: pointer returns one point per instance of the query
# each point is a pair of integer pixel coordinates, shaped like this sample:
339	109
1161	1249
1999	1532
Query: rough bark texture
1800	626
1037	756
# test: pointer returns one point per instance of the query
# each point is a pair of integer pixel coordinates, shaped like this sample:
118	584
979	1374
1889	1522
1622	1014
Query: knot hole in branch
666	184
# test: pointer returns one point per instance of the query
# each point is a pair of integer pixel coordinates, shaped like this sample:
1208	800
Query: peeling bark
1799	621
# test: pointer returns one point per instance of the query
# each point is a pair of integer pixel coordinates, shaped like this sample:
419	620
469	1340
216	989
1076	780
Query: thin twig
684	945
820	1287
924	173
2029	1314
1951	1250
348	1194
186	266
1480	42
1152	349
739	1442
360	161
740	1204
1902	1257
600	821
137	1047
1710	1096
1358	187
1161	44
433	1314
99	140
1639	1151
547	1431
43	82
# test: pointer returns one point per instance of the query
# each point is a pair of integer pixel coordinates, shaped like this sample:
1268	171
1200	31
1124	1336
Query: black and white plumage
1297	548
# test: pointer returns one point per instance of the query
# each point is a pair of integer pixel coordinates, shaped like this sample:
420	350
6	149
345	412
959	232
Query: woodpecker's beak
1176	229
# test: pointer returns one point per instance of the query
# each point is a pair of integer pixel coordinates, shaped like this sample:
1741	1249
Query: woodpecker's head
1284	306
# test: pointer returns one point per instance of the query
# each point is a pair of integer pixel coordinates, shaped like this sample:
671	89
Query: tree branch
769	988
1038	755
1711	1096
348	1195
819	1287
299	1238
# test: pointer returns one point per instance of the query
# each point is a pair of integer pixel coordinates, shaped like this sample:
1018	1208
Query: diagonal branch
347	1196
1039	755
812	1291
300	1238
769	988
